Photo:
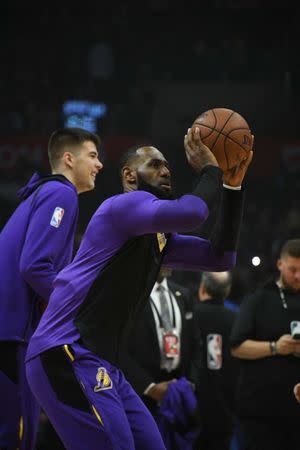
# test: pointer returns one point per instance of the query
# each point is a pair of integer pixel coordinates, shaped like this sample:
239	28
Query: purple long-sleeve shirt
35	244
118	222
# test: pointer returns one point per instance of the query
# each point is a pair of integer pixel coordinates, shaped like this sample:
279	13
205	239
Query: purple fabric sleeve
140	213
43	241
194	253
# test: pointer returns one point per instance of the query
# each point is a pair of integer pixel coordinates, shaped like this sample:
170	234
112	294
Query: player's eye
155	163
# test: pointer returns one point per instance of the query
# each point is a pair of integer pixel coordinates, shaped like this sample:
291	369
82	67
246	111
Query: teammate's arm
44	241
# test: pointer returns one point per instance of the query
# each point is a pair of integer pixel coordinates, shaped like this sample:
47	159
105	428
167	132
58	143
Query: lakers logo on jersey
103	380
161	238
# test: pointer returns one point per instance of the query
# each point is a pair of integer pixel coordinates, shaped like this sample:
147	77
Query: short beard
142	185
288	287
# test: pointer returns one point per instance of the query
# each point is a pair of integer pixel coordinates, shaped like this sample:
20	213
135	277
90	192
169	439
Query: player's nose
165	172
99	165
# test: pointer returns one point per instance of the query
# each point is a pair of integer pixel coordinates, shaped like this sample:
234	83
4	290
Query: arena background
135	73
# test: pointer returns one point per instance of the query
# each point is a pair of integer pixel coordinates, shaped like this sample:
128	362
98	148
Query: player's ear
68	159
129	175
279	264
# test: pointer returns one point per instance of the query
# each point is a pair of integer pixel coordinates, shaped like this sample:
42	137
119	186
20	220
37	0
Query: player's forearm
39	276
194	253
251	349
209	186
225	236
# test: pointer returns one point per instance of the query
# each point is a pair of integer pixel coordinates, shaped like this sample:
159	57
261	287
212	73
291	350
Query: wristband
273	348
233	188
146	391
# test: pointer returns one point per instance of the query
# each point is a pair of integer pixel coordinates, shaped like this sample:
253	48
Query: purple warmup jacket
35	244
176	416
128	238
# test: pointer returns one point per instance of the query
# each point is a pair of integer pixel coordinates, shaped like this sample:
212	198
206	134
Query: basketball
227	134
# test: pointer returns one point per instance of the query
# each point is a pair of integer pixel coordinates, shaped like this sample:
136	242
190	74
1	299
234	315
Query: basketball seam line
213	128
223	134
216	120
222	127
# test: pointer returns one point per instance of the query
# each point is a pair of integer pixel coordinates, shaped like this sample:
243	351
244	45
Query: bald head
214	285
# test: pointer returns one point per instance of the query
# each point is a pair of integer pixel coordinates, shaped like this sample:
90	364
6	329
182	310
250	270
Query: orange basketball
227	134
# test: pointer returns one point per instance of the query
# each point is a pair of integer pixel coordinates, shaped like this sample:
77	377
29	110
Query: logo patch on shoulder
103	380
161	239
57	217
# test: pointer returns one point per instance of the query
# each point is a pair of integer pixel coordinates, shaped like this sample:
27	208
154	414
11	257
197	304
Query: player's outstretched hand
234	177
198	154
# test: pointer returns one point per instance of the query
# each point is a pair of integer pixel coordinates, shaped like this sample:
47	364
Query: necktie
164	309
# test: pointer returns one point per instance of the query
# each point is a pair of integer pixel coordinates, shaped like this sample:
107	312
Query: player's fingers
188	143
188	139
196	142
193	138
185	140
187	155
297	389
188	148
249	159
190	133
197	134
245	164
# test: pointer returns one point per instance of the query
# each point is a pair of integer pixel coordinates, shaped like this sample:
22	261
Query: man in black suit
214	371
159	344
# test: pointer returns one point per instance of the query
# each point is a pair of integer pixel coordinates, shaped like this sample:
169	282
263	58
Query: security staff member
214	370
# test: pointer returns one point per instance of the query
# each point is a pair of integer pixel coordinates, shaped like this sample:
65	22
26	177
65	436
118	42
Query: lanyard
159	316
282	296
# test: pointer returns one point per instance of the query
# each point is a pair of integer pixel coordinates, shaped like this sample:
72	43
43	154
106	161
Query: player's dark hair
129	155
69	138
291	248
216	288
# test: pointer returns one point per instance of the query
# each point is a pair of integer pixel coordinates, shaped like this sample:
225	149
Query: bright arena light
256	260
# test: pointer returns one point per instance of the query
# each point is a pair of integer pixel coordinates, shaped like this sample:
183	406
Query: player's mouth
166	186
94	175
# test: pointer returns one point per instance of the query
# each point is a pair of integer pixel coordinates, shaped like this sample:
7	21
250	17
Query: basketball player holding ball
131	235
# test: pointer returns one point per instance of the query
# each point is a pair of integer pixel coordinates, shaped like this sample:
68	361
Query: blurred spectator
151	363
214	370
268	354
